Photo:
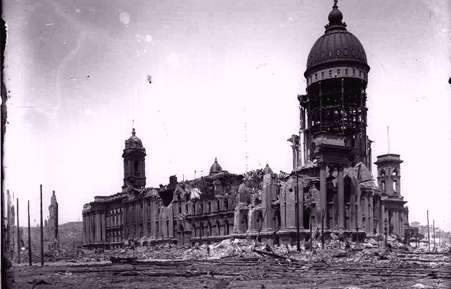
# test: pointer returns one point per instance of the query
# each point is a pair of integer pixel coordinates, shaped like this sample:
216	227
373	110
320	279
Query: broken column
267	197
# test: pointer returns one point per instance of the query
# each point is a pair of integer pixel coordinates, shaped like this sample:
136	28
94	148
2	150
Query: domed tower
215	167
134	156
335	103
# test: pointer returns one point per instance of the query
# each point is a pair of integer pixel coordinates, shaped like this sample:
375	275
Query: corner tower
389	174
335	103
134	156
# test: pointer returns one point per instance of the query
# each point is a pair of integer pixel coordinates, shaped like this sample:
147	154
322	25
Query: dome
267	170
215	168
133	141
337	46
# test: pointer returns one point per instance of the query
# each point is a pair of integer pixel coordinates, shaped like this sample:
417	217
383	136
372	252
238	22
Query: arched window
136	168
394	172
226	227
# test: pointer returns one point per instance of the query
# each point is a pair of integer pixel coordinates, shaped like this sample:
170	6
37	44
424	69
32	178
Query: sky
225	80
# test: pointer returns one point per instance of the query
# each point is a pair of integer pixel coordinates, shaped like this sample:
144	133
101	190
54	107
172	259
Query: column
87	229
283	211
341	199
97	225
104	227
252	225
145	209
396	223
371	214
290	208
358	208
367	214
91	228
153	219
323	194
301	204
266	206
384	220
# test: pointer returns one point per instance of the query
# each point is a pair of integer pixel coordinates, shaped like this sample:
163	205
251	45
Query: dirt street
409	271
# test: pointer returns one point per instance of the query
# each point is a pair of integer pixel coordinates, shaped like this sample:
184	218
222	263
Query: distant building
330	186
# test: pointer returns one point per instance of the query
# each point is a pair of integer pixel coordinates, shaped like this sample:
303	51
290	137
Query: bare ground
409	271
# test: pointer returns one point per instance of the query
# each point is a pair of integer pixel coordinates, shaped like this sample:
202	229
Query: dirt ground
408	271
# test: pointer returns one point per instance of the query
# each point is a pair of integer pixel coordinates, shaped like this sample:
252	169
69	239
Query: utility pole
42	229
298	244
18	232
429	238
29	236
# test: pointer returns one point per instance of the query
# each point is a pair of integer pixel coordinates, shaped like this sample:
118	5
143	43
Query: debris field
244	264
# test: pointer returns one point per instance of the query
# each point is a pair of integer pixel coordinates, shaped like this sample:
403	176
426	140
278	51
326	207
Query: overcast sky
76	76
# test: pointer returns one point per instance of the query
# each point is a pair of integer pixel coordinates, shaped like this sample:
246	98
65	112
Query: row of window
337	72
212	230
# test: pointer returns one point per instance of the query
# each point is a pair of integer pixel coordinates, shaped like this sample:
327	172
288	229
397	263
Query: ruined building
331	186
51	224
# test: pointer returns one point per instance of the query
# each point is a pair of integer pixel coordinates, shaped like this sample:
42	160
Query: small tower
389	174
53	219
134	156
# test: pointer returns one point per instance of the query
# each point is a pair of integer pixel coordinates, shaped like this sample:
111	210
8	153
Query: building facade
331	186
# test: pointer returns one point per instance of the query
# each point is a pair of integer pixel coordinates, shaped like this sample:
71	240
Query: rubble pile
336	250
223	249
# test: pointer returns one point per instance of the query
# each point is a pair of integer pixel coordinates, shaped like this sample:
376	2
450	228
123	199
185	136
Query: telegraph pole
42	229
18	232
29	236
429	238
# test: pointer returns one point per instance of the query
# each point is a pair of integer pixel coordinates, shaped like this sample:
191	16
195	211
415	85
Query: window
338	71
383	186
322	74
330	72
394	172
346	71
136	168
395	185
